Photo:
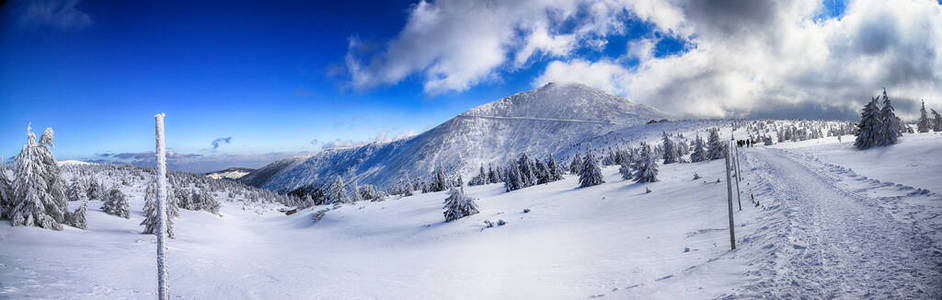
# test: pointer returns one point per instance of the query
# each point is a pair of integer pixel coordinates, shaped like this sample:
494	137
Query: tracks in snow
830	233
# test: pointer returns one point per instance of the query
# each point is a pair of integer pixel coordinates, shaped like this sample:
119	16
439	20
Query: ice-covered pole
729	194
162	290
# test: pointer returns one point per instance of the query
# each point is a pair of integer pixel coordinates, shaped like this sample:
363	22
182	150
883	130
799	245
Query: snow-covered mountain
229	173
548	120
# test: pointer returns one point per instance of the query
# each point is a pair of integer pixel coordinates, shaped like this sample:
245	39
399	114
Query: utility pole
163	292
729	196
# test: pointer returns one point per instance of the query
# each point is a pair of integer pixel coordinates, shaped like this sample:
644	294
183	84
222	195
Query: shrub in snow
526	210
647	190
501	222
38	192
116	204
696	176
458	205
645	166
591	173
318	215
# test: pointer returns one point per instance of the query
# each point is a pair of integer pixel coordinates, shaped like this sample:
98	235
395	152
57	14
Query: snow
833	222
72	163
233	174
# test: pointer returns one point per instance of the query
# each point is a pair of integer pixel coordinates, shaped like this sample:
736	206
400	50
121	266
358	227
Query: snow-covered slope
540	122
229	173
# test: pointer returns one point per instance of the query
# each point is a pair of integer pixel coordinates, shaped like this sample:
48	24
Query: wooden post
162	290
729	194
738	193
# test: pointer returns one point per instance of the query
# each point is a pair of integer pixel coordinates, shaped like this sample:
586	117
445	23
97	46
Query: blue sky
288	76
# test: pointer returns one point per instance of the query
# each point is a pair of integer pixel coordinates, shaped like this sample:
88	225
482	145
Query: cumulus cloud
62	15
764	58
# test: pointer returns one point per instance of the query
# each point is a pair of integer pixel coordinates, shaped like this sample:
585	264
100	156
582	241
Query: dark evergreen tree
893	125
116	204
458	205
924	125
625	170
670	153
591	173
512	180
699	153
645	166
527	170
936	121
870	126
439	181
575	166
556	173
715	148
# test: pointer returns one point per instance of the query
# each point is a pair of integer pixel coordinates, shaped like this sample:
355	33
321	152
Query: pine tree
77	218
646	166
670	154
936	121
356	192
336	192
150	211
512	180
924	124
458	205
893	125
625	170
591	173
116	204
439	182
556	173
699	153
203	200
869	127
95	190
542	172
575	166
715	148
492	176
34	200
526	168
6	192
77	191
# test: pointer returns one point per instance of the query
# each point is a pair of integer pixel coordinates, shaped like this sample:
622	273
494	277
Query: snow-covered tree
150	211
575	166
458	205
542	172
492	175
337	192
556	172
77	218
645	166
699	153
512	180
77	191
479	179
38	196
893	125
116	204
95	190
591	173
715	148
201	199
439	181
924	124
625	170
6	192
356	192
670	153
870	126
936	121
527	170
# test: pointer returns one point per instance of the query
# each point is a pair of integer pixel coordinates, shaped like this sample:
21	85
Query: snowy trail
835	236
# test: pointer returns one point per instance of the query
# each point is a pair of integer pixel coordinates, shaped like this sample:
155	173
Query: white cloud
773	59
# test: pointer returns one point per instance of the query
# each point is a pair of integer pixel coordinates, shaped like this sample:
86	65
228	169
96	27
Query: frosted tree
556	173
670	154
77	191
542	172
77	218
936	121
201	199
527	170
116	204
715	148
492	176
95	190
892	124
439	181
591	173
625	170
645	166
479	179
924	125
699	153
6	192
35	202
356	192
151	216
336	192
458	205
512	180
869	127
575	166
